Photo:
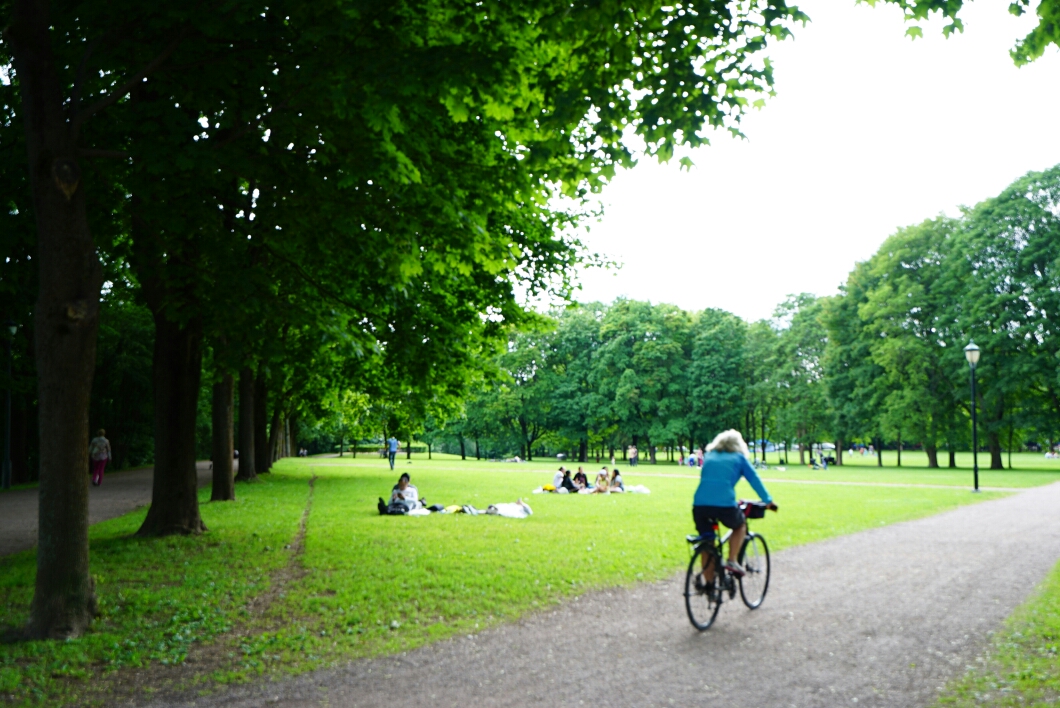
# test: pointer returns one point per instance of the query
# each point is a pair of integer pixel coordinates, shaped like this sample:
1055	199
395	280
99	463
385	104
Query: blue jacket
717	482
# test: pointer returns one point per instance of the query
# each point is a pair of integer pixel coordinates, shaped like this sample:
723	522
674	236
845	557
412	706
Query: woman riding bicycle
715	500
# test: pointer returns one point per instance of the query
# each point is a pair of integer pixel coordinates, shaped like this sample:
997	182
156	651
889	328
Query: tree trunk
262	462
477	456
1010	445
21	414
802	454
953	458
429	451
899	448
994	443
463	454
879	452
66	322
933	456
246	471
408	450
839	452
177	371
224	488
274	434
583	445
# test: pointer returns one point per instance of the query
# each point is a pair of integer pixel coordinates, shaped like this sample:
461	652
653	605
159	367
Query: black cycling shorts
705	516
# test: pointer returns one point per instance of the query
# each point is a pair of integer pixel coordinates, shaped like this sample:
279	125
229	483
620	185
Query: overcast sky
869	131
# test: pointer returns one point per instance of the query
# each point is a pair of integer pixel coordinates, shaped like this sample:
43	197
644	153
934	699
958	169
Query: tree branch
128	86
79	82
116	154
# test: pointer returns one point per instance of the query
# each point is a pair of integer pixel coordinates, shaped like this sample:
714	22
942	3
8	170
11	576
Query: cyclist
723	465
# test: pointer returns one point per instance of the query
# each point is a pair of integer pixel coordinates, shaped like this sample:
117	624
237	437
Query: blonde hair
729	441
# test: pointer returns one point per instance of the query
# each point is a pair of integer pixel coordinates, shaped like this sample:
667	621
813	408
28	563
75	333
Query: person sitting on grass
557	479
580	480
616	484
603	483
403	493
568	483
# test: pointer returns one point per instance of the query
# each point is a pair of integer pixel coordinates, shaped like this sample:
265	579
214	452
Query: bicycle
703	598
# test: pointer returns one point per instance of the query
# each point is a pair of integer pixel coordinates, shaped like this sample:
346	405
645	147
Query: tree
804	413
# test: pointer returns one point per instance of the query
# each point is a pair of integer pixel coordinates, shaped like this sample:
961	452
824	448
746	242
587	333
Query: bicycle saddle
695	538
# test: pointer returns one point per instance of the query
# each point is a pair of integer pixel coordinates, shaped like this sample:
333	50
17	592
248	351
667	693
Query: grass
367	585
1024	666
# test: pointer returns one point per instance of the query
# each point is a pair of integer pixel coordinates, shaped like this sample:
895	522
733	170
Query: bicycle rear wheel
754	557
702	600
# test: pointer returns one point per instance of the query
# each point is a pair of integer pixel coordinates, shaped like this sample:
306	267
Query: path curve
879	618
120	493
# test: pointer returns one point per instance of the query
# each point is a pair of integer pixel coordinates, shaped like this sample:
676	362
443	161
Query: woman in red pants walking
99	452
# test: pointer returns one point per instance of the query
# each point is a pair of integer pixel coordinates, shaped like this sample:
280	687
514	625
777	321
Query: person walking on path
99	452
392	448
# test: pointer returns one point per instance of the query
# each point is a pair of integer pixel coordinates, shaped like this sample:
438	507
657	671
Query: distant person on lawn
580	480
99	453
392	447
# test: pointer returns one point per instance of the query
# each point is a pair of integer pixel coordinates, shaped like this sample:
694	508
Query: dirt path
880	618
120	493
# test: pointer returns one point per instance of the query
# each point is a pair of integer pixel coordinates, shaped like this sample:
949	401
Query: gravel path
120	493
880	618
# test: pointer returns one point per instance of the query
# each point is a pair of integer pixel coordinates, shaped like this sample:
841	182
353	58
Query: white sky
869	131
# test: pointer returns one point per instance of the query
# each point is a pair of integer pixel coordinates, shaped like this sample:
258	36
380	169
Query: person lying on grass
403	493
715	498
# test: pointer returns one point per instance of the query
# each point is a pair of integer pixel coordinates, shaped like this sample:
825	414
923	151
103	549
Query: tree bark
66	322
477	457
223	444
275	426
994	443
21	414
899	448
463	455
932	455
247	470
262	461
879	452
953	458
177	371
583	445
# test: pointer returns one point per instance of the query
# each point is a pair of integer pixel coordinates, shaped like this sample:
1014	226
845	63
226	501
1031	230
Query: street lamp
5	476
971	353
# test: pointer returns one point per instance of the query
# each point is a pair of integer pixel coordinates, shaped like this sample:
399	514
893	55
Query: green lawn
1024	666
367	584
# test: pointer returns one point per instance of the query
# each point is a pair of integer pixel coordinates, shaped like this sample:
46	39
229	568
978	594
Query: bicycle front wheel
754	557
702	600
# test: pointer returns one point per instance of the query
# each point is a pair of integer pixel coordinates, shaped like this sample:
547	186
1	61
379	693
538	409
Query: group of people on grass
579	483
405	500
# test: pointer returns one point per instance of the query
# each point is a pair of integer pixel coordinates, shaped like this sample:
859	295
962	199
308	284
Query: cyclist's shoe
701	585
734	568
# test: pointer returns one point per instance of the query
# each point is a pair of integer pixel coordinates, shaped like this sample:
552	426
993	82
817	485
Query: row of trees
312	198
882	362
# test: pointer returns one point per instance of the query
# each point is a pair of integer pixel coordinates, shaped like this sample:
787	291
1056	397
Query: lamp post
5	477
971	353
